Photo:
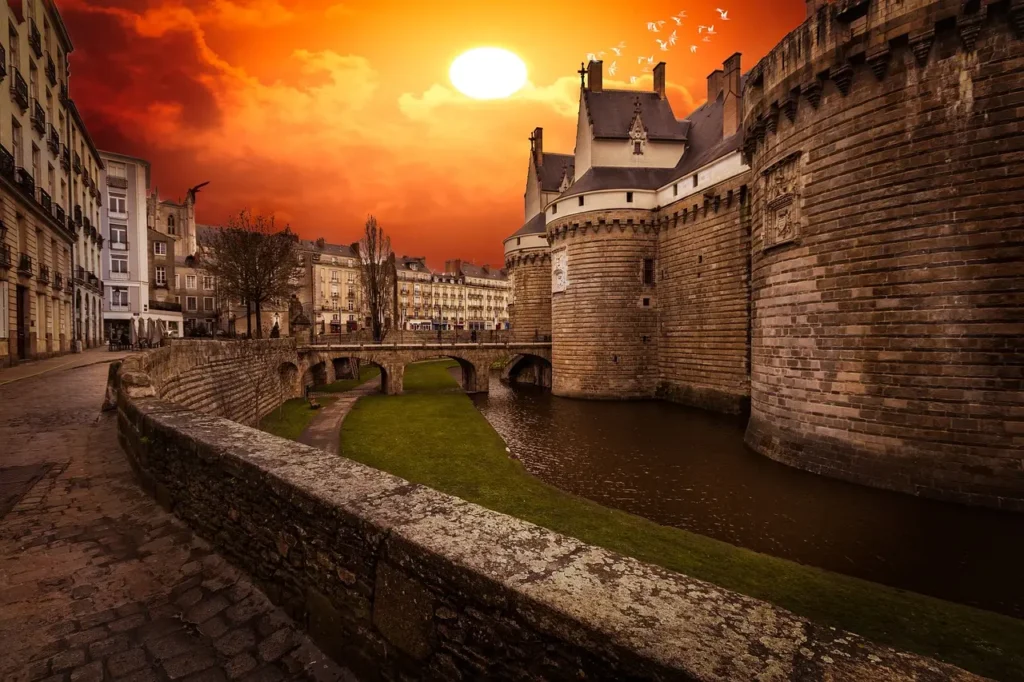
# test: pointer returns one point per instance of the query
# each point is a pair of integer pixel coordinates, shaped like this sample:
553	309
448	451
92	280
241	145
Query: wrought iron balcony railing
78	214
19	89
3	62
77	164
80	274
64	94
46	201
58	281
54	140
6	163
65	157
35	40
44	274
38	117
5	256
25	181
58	213
25	264
51	70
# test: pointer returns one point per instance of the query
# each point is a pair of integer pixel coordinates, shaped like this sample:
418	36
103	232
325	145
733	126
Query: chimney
714	85
659	80
595	71
731	111
537	146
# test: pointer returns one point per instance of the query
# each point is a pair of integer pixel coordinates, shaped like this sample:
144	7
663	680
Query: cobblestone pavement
34	368
97	582
324	431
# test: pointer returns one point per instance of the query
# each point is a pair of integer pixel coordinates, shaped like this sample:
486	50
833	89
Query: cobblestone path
324	431
97	582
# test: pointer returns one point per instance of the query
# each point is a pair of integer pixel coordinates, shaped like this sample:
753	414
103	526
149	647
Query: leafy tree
377	271
252	261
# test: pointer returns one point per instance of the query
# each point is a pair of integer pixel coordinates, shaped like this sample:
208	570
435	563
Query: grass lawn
366	372
291	418
438	438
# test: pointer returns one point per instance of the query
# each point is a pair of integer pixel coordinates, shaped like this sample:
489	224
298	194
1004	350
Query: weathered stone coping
393	577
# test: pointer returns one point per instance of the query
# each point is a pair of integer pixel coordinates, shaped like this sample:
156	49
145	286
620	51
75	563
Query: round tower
528	261
604	327
887	248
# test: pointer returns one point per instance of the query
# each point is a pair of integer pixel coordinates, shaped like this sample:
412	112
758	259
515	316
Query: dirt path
324	431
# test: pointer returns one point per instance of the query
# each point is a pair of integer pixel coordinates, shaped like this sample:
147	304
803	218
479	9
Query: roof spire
583	73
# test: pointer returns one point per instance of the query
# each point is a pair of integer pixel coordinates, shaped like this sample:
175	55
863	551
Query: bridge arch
527	368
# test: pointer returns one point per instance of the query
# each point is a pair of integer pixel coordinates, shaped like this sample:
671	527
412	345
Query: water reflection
688	468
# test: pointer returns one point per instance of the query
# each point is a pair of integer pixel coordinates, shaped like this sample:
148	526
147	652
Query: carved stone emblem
782	202
559	270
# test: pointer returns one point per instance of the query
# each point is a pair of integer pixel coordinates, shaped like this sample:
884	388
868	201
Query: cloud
263	13
562	96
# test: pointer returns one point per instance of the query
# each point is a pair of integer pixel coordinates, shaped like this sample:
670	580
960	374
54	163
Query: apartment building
487	293
42	242
85	194
330	290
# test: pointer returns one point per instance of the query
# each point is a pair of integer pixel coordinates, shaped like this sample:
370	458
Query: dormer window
638	147
581	201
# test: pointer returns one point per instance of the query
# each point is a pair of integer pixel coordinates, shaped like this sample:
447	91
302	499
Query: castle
832	245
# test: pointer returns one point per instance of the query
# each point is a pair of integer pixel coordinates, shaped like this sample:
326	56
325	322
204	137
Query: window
3	310
119	265
177	299
208	282
554	209
116	170
581	201
190	281
648	271
177	281
191	303
519	240
629	197
159	248
117	204
161	276
170	224
638	147
118	237
675	190
334	275
208	303
351	306
695	179
119	297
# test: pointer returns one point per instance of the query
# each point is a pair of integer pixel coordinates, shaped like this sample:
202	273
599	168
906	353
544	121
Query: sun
488	73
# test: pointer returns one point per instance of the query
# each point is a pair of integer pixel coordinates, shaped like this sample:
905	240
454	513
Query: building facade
39	245
331	294
863	307
86	193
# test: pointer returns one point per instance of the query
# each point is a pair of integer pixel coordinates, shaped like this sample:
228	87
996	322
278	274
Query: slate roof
204	233
611	114
551	170
406	263
338	250
470	270
535	225
610	177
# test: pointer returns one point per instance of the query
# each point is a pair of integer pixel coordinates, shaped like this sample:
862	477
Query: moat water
690	469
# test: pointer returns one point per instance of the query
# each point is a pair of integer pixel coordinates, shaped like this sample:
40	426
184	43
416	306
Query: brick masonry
530	315
402	582
888	301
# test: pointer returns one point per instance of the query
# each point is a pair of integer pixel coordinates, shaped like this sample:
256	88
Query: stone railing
396	580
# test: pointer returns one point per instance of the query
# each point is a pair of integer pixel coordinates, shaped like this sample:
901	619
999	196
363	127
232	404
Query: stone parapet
398	581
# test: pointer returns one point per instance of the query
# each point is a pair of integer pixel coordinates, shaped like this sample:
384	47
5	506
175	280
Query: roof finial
636	105
582	72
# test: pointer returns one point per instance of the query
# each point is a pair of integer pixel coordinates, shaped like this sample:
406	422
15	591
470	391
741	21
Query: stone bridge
322	364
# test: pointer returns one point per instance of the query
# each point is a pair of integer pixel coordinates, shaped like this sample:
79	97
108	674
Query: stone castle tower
832	242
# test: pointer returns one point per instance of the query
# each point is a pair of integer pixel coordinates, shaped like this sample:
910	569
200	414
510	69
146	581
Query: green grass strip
437	437
366	372
291	418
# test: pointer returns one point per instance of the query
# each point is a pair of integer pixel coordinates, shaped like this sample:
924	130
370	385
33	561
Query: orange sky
323	111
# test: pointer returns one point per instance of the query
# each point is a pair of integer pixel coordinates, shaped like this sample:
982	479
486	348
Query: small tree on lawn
377	271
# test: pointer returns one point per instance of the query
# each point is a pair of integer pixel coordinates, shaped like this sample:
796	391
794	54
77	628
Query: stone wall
530	315
888	248
605	323
704	299
398	581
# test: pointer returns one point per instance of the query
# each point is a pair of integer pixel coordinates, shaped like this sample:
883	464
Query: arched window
170	224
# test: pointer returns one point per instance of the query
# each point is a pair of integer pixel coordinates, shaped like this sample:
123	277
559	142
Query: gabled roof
552	168
611	114
413	263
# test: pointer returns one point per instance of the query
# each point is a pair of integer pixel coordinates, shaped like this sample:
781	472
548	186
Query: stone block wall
888	249
400	582
704	299
604	337
530	315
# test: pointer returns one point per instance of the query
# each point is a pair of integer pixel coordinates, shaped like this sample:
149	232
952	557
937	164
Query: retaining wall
398	581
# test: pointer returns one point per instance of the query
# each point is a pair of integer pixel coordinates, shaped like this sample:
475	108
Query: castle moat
690	469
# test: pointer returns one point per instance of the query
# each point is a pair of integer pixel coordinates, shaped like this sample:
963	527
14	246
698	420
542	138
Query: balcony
77	164
65	157
169	306
78	214
119	276
58	281
19	90
119	246
53	141
3	62
93	280
335	295
45	201
24	264
38	118
64	94
44	274
58	213
80	275
6	164
51	70
5	256
88	227
118	306
35	41
23	179
115	181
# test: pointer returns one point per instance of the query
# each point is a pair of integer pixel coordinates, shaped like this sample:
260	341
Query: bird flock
665	42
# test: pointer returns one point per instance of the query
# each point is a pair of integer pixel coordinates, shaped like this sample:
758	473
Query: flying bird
617	51
195	190
672	38
707	39
679	22
700	29
693	49
682	14
640	60
711	30
724	13
632	79
591	57
663	44
654	25
600	54
650	60
613	69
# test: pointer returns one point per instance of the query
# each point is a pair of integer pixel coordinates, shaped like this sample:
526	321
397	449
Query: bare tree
253	261
260	361
377	270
